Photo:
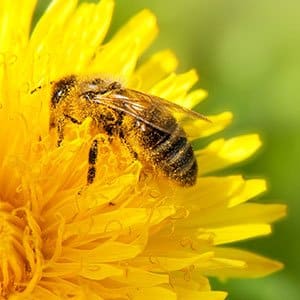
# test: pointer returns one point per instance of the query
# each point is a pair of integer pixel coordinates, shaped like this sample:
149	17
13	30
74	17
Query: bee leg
60	132
61	126
93	153
130	149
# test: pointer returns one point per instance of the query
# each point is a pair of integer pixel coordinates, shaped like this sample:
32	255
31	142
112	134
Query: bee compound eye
62	88
57	96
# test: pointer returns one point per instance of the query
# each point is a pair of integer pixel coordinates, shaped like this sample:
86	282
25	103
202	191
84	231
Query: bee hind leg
93	154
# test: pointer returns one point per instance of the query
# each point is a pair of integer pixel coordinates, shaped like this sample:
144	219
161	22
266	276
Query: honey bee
145	124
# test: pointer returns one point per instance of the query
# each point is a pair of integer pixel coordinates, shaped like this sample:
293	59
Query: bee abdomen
176	158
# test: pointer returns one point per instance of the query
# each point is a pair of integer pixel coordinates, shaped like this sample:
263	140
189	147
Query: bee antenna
39	87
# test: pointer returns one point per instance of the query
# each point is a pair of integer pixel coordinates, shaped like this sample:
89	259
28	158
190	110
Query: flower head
131	234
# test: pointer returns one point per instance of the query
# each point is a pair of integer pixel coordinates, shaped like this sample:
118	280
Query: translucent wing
146	108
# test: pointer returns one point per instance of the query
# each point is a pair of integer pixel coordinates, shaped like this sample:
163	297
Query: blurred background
248	56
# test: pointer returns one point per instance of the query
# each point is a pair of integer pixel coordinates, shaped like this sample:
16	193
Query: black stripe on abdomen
175	157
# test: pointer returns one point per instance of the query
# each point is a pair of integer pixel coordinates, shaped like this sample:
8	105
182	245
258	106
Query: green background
248	56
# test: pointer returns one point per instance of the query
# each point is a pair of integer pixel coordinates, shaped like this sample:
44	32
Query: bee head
61	89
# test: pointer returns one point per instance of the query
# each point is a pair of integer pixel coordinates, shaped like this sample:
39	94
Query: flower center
19	250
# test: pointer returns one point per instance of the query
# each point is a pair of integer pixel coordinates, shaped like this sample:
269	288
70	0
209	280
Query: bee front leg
128	146
93	154
60	132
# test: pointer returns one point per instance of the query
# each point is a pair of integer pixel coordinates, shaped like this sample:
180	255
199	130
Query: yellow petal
243	214
194	98
60	288
91	19
109	193
125	47
154	69
141	28
201	128
153	293
186	294
120	221
91	271
124	57
212	193
229	234
145	279
175	87
209	193
192	285
251	188
15	22
176	260
40	292
45	42
217	265
190	280
99	271
221	154
105	252
256	265
51	23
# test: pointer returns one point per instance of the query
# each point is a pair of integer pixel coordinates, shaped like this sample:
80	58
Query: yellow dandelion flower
131	234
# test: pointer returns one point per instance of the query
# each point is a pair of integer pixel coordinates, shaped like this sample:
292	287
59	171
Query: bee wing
137	104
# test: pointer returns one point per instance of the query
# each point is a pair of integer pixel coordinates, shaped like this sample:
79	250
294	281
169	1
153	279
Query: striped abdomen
170	152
